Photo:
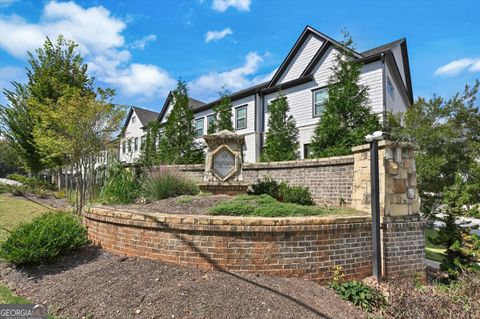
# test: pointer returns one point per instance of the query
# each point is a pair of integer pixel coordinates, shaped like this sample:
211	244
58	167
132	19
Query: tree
16	125
8	160
281	143
54	70
149	155
346	118
177	145
222	113
84	126
447	134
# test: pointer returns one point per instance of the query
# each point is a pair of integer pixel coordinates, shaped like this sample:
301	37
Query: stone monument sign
223	167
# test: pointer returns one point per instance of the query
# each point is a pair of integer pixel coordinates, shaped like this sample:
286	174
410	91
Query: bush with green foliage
295	194
282	191
44	239
357	292
120	186
165	183
267	186
267	206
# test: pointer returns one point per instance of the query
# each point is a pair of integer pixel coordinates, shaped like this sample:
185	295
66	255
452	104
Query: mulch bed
95	284
191	205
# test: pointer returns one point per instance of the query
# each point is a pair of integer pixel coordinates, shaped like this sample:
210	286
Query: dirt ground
95	284
191	205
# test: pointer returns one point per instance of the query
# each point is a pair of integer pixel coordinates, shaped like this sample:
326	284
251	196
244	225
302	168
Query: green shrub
359	294
18	190
44	239
267	206
267	186
120	186
166	183
4	188
282	191
295	194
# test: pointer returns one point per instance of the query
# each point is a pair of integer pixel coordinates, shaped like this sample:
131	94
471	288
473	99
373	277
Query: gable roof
382	48
144	116
194	104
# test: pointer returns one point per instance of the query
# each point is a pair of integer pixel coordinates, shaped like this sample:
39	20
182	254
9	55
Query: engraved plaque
223	164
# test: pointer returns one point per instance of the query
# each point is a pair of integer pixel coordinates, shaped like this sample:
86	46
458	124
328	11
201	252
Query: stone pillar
402	227
398	179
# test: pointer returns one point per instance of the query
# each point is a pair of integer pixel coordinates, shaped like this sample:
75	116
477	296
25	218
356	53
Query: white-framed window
199	128
241	117
306	151
124	147
210	120
320	96
142	142
390	88
130	145
135	144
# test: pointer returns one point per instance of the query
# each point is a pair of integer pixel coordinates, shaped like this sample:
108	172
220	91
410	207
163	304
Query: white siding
394	103
132	131
167	113
301	59
251	143
300	97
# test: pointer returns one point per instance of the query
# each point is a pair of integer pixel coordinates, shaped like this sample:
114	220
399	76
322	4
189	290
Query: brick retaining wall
329	179
299	246
307	247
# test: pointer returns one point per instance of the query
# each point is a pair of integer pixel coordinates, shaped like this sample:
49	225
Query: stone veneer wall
329	179
308	247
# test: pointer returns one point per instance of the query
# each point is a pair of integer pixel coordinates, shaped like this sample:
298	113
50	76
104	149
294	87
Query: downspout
384	81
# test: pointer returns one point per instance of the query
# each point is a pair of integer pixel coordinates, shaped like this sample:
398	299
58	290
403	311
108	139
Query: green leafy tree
16	125
177	145
149	155
85	125
346	118
223	114
54	70
281	143
447	134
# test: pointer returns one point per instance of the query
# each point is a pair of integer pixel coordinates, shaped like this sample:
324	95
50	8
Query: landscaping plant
44	239
120	186
346	118
267	206
165	183
358	293
282	191
281	142
267	186
222	113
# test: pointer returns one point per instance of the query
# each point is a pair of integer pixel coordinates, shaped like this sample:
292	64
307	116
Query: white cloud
143	79
455	67
223	5
217	35
207	86
475	67
100	40
142	43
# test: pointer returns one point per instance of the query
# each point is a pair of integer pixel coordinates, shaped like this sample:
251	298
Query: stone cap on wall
383	144
220	223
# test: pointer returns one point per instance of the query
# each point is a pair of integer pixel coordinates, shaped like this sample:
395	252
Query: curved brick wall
303	246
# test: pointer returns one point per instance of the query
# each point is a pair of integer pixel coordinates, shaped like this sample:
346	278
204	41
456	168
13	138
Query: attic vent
134	118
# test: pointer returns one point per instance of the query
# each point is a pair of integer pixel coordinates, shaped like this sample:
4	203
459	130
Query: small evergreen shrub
44	239
267	206
166	183
282	191
120	186
295	194
267	186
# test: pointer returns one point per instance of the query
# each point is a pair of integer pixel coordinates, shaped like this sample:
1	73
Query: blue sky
142	47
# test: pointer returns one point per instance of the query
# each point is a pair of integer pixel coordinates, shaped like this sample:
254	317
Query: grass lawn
266	206
433	251
15	210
